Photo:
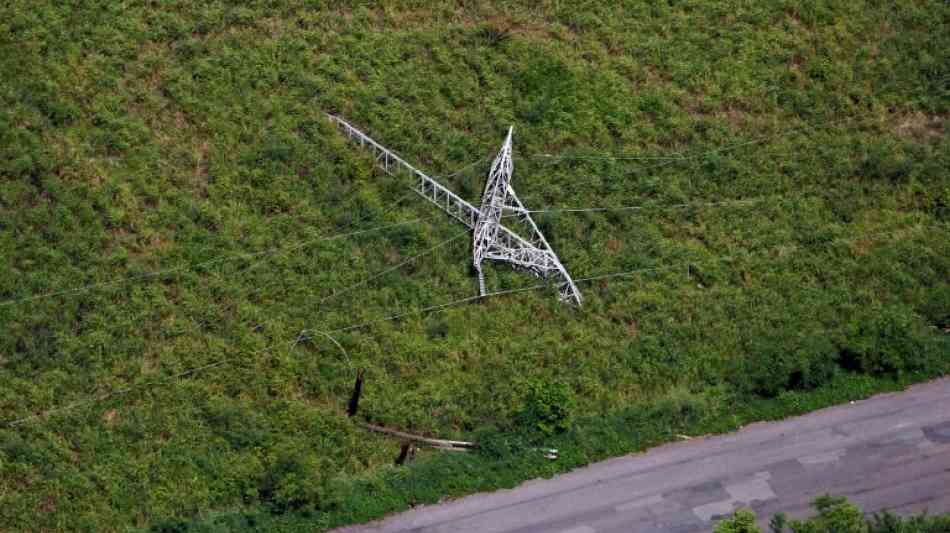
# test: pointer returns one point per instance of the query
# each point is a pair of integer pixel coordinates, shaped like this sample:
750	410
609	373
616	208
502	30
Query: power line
549	211
292	248
541	286
220	362
463	169
302	244
438	307
392	268
747	201
585	279
299	245
273	252
779	198
229	257
226	257
430	309
668	160
123	391
686	205
699	156
679	156
163	272
694	154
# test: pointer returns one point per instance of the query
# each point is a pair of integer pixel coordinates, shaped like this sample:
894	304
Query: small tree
835	515
743	521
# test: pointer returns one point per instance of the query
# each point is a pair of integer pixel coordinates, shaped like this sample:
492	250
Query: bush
741	522
887	343
292	482
836	514
936	308
779	363
548	407
890	523
497	444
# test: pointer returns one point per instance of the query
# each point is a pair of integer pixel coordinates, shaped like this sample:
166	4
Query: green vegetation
189	138
836	515
547	407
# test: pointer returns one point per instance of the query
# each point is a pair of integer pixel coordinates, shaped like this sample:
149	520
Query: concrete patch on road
713	510
788	468
656	499
938	433
755	489
700	494
889	449
822	458
909	437
580	529
742	492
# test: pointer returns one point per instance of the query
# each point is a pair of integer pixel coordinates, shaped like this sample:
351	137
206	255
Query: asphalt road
888	452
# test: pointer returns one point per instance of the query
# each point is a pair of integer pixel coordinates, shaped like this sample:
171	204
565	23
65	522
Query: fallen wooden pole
452	445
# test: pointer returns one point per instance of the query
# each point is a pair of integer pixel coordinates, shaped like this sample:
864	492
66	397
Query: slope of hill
169	188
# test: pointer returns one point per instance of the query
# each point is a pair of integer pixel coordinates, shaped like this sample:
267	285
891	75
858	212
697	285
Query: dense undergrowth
188	138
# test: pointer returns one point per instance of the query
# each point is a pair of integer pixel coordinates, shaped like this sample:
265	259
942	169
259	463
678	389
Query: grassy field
169	186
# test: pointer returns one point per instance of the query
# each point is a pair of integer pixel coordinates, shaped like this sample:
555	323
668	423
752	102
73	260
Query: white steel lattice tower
492	240
500	200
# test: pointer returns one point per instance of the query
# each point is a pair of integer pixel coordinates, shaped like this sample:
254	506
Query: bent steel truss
492	239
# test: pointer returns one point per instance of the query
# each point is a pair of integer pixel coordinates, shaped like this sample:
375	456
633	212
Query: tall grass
137	138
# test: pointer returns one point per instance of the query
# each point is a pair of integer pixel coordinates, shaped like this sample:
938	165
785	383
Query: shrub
293	481
497	444
888	342
835	514
685	406
889	523
547	92
742	522
778	363
548	407
936	308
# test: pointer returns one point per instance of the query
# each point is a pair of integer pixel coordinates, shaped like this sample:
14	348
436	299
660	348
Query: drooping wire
298	339
695	154
305	334
271	253
277	250
235	301
553	210
393	268
117	282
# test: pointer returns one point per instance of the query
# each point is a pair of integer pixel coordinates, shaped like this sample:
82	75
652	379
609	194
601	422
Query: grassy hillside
168	181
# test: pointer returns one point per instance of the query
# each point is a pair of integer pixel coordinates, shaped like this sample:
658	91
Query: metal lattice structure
492	240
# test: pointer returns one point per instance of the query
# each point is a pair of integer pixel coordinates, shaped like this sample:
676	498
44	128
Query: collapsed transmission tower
492	240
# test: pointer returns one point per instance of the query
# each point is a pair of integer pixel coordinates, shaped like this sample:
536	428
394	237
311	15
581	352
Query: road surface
888	452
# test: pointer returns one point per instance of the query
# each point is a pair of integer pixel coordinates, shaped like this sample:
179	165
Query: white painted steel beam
492	240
